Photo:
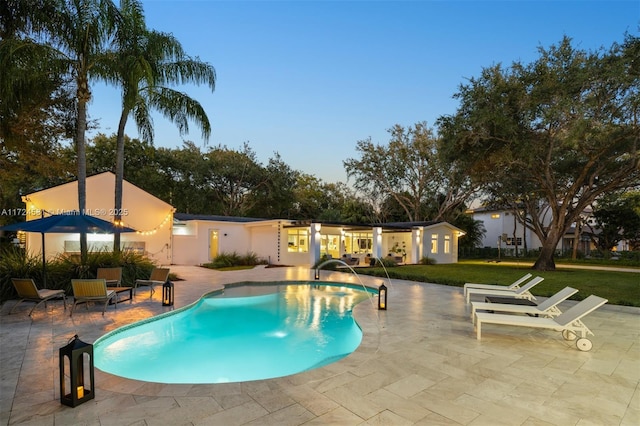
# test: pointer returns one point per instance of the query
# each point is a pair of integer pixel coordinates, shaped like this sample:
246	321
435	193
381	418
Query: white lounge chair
548	308
513	286
568	323
519	293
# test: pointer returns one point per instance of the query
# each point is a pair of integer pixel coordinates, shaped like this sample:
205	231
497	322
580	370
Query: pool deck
419	363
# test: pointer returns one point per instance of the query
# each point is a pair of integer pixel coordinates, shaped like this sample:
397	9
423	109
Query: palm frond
180	109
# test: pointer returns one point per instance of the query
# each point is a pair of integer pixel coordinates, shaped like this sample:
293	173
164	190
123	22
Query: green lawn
620	288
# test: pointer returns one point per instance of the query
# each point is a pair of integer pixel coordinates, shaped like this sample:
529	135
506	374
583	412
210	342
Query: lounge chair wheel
569	335
584	344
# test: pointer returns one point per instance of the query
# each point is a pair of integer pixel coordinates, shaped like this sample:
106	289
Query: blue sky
308	79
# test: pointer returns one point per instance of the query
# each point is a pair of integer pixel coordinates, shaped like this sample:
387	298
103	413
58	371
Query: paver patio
419	363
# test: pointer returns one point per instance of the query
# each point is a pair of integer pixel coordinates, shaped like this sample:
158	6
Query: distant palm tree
145	64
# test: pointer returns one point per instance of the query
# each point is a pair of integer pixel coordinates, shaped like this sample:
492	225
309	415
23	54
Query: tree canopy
409	174
617	218
552	136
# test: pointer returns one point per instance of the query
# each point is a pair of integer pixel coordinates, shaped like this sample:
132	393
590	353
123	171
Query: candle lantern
317	275
76	372
382	297
167	293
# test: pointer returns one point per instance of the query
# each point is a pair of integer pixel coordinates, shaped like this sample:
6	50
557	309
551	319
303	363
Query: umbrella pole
44	265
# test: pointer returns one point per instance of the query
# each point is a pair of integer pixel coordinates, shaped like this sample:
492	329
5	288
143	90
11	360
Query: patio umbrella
65	224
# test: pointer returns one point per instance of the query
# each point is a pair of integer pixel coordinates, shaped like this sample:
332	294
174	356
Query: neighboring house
148	215
504	231
187	239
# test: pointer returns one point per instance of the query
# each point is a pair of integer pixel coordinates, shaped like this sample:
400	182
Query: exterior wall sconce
382	297
167	293
76	372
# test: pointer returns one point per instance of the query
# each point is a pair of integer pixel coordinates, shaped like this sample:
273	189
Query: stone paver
419	363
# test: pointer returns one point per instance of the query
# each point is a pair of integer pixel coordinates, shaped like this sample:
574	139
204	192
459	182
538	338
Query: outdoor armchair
27	291
92	290
158	277
113	276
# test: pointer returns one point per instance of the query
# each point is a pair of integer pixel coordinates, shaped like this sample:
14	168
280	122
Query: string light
32	210
153	231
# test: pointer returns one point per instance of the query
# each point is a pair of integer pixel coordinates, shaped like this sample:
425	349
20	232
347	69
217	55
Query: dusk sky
308	79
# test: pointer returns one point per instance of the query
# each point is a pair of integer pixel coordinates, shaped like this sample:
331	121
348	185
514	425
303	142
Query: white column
314	242
377	242
416	246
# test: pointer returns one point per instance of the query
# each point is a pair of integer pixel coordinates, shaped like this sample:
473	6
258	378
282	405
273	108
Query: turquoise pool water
246	333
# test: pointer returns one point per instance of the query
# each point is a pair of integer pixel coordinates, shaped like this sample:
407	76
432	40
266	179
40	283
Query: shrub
329	267
387	262
17	263
427	261
228	260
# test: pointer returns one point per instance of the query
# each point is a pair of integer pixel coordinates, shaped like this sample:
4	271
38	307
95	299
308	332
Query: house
148	215
504	231
198	239
187	239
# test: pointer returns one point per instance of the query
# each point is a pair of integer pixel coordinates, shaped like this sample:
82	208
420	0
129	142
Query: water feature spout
329	261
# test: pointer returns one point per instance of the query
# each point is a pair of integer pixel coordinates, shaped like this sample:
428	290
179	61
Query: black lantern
382	297
167	293
317	276
76	373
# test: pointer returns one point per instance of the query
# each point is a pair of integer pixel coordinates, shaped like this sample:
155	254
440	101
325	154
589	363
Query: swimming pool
247	332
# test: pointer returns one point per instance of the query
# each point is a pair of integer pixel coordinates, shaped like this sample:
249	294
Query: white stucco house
149	216
186	239
197	239
504	231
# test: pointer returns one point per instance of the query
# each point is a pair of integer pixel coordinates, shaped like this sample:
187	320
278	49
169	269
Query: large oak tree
548	138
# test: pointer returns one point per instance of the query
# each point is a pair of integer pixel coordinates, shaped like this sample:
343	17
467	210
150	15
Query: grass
620	288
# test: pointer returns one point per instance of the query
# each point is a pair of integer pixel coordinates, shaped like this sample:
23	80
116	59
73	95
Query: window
358	242
447	244
329	244
510	241
434	243
298	241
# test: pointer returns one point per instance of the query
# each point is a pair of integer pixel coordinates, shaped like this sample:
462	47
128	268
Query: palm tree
68	36
80	32
145	64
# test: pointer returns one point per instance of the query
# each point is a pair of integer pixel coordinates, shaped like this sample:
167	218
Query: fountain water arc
329	261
